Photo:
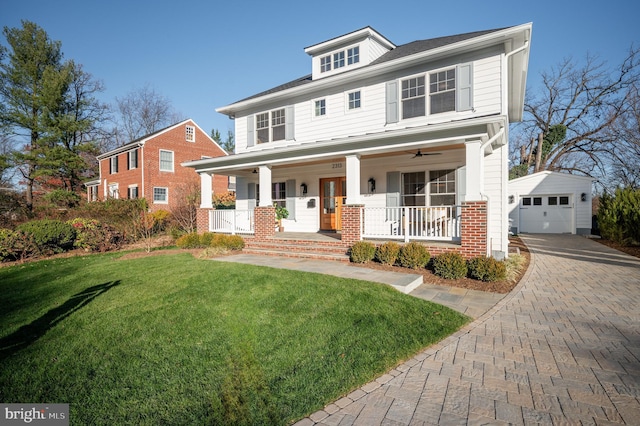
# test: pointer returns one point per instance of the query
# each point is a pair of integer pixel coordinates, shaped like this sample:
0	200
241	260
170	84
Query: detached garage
551	203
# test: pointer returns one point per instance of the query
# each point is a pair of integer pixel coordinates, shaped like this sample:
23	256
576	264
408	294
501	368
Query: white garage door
550	214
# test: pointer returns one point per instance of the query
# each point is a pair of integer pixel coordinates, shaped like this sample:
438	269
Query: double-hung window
160	195
132	192
355	100
132	159
279	194
270	126
413	189
113	164
166	161
325	63
338	60
320	107
353	55
442	91
442	187
413	97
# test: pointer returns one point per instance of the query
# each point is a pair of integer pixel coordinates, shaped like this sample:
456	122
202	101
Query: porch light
372	185
303	188
583	197
255	171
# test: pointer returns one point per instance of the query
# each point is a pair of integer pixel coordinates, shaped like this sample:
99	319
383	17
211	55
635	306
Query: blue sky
207	54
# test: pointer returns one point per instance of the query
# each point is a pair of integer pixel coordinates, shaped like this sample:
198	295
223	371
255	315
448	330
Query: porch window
413	189
442	91
442	187
270	126
278	194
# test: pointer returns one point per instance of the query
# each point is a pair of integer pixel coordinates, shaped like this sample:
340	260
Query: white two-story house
381	142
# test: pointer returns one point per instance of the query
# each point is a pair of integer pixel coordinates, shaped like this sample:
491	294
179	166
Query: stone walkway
561	348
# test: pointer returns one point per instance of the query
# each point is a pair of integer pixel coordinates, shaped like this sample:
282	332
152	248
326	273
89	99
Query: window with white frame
414	189
270	126
442	187
338	60
132	159
113	164
93	193
354	100
320	107
413	97
353	55
278	194
160	195
132	192
190	133
442	91
166	161
325	63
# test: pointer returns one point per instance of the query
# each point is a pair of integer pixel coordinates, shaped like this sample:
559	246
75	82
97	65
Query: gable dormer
347	52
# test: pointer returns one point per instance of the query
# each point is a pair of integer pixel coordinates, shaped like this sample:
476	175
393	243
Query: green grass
171	339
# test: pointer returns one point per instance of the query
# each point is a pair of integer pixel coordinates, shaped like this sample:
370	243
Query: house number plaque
336	165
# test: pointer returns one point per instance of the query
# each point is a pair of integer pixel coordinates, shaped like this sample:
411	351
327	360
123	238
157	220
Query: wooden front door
332	196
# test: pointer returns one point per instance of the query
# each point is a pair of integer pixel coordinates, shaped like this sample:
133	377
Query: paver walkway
562	348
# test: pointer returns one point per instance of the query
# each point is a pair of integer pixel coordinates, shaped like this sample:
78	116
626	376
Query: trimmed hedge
388	253
450	265
487	269
362	252
414	255
210	239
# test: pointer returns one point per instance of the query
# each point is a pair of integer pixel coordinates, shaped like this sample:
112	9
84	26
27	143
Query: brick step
300	254
306	246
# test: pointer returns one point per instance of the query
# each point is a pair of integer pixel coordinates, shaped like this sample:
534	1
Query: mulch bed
429	277
630	250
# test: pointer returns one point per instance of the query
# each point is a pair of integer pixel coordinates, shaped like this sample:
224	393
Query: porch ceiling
427	138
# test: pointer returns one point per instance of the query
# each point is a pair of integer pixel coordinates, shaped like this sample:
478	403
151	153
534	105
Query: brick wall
351	223
202	220
265	222
474	229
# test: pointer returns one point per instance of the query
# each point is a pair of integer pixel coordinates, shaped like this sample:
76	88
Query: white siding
493	188
486	85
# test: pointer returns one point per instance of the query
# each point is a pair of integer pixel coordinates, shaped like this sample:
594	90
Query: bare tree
624	166
185	212
567	122
143	111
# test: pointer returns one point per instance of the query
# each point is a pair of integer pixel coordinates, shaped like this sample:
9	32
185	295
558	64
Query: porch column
265	186
206	200
353	179
474	179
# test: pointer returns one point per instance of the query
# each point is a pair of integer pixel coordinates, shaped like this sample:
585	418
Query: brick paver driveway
563	348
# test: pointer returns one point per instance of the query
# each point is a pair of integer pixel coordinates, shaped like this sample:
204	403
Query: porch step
298	248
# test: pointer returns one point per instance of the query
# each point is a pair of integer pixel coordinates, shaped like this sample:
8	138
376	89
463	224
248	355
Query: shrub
362	252
234	242
16	245
514	265
121	214
414	255
189	241
51	236
61	198
619	216
93	235
388	253
450	265
161	219
487	269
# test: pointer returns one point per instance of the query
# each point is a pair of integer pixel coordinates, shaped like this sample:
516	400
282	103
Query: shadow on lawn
29	333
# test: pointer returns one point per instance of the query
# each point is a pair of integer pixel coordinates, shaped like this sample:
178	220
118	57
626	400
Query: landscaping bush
414	255
161	218
51	236
123	215
234	242
619	216
388	253
362	252
16	245
189	241
210	239
93	235
450	265
487	269
61	198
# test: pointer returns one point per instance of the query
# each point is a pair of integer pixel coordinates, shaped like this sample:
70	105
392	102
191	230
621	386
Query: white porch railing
412	223
232	221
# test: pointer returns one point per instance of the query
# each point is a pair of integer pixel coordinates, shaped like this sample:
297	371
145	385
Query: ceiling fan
421	154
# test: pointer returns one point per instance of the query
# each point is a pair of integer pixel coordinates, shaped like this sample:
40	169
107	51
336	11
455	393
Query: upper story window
113	164
190	133
132	159
166	161
270	126
320	107
338	60
442	91
355	100
325	63
413	97
353	55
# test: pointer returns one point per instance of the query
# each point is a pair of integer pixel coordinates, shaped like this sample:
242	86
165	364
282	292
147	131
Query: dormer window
338	60
325	63
353	55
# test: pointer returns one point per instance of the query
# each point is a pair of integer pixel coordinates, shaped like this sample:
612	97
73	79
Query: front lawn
175	340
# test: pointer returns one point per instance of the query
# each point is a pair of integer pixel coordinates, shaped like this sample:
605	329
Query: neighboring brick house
150	167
